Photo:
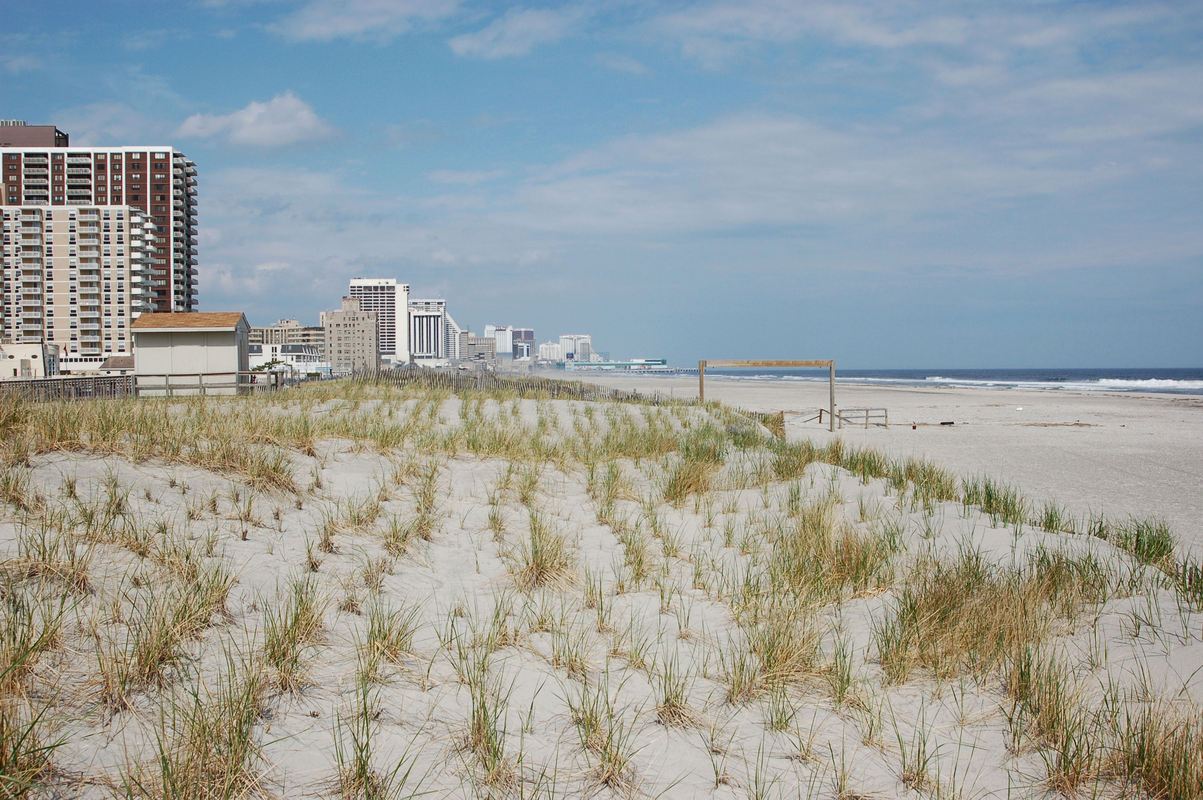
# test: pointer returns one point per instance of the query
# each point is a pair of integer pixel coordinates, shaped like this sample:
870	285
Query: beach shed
201	352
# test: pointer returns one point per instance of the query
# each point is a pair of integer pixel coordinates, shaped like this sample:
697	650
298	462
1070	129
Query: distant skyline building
76	277
453	338
352	339
524	343
576	346
39	169
428	328
551	351
479	349
504	336
389	300
291	332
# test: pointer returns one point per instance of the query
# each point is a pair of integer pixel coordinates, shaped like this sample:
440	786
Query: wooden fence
523	386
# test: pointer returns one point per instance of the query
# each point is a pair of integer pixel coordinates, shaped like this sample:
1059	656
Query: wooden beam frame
804	364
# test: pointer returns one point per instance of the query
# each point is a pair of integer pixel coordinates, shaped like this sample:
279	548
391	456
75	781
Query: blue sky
890	184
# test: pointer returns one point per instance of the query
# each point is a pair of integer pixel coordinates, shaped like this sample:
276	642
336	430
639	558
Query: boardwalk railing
879	417
207	383
868	417
70	387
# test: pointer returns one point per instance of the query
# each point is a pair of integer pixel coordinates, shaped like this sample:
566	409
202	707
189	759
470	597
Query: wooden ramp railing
830	365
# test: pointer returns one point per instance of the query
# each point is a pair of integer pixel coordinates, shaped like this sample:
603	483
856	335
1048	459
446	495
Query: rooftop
227	320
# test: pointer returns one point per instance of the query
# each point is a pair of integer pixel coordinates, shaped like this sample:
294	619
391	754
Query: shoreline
1120	454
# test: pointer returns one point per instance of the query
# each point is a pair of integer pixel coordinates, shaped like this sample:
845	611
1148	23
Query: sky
889	184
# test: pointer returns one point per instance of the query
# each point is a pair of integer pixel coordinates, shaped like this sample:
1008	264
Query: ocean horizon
1180	380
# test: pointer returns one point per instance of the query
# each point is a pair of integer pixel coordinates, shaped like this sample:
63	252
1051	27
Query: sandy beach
1115	454
360	590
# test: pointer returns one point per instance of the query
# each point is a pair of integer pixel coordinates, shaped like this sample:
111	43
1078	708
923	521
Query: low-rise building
289	331
196	353
296	360
28	360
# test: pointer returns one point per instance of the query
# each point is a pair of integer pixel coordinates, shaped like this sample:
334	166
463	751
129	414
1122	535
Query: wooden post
701	381
831	399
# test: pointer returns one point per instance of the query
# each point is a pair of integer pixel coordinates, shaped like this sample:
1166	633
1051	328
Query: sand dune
362	591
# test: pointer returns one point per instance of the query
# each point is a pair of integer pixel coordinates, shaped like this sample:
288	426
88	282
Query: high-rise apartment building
389	300
157	181
15	133
76	277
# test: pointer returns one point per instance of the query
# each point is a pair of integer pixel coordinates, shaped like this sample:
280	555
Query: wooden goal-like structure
802	364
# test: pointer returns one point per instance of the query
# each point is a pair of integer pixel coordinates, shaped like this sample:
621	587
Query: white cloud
622	63
465	177
18	64
284	120
715	32
413	133
517	32
99	124
325	20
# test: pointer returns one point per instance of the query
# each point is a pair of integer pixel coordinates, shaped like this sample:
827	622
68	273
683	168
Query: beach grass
397	578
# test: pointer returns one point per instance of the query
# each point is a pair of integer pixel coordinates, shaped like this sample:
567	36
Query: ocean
1160	381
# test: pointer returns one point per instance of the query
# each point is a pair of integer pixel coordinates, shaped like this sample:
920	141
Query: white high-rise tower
390	301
